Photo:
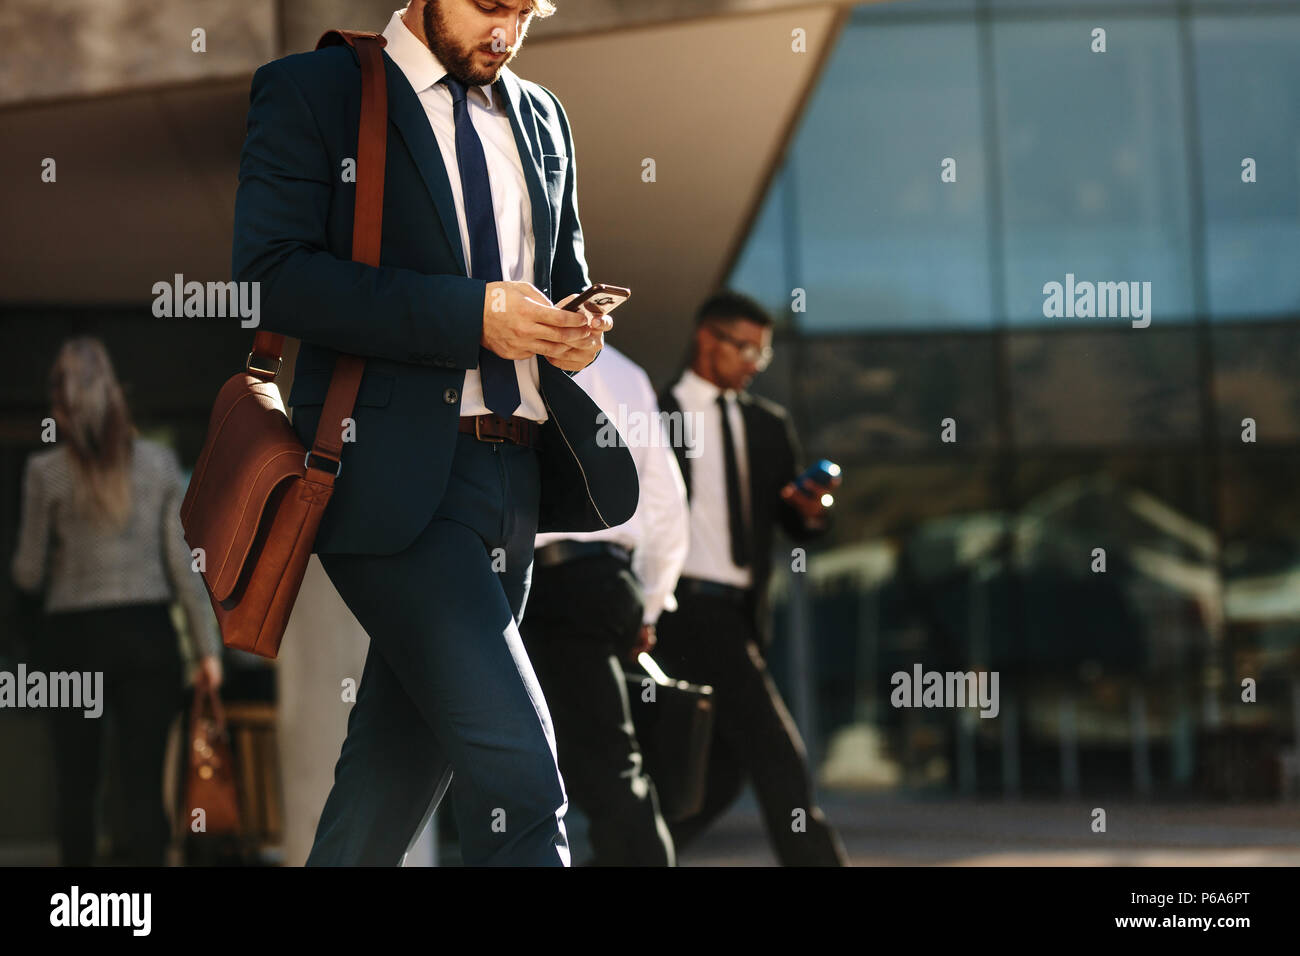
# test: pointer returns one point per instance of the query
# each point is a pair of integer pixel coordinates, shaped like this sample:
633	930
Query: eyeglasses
758	357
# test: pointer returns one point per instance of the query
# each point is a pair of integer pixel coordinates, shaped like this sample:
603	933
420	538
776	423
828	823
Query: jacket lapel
408	116
522	121
406	113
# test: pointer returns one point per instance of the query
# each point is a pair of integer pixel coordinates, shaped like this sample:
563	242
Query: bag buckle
248	365
306	462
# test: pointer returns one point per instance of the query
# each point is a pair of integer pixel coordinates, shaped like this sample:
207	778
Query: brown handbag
210	781
257	495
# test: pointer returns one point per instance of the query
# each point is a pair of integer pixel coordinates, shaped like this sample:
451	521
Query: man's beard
458	60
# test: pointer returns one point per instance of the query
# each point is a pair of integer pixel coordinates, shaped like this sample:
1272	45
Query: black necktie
497	374
735	504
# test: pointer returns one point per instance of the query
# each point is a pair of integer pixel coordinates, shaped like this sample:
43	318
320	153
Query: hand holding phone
520	321
594	305
599	298
824	474
810	493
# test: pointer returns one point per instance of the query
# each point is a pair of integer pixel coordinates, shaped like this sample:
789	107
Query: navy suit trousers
447	685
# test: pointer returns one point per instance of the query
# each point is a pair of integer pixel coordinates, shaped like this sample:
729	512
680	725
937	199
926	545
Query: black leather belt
494	428
714	589
560	552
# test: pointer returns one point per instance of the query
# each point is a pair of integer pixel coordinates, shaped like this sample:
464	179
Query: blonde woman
100	535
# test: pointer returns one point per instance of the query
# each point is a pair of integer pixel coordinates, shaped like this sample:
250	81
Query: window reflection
1115	527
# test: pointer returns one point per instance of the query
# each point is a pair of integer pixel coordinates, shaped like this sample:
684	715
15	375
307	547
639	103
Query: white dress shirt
657	533
709	557
510	202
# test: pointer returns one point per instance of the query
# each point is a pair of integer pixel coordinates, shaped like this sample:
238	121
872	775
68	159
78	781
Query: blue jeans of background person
447	684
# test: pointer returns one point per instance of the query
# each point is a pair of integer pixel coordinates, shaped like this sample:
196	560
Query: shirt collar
701	390
416	61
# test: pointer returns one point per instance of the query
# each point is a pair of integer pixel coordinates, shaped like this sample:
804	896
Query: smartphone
823	472
600	297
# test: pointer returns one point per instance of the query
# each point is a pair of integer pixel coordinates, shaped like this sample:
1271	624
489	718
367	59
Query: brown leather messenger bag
256	499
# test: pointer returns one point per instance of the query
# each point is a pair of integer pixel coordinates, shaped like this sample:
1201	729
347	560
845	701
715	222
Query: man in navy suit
468	435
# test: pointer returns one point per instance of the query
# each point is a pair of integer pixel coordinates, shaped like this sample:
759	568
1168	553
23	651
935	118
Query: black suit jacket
418	317
775	459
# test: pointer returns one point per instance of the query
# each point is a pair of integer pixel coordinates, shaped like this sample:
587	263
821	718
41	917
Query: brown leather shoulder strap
339	37
367	223
371	140
367	227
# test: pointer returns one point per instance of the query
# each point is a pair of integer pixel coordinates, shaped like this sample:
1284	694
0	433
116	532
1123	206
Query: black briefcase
674	726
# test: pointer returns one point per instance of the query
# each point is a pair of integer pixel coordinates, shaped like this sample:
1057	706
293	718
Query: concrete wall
56	50
710	102
149	176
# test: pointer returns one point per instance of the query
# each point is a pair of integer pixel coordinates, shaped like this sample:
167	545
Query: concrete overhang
146	175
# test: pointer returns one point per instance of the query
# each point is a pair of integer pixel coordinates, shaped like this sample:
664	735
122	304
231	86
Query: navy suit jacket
418	317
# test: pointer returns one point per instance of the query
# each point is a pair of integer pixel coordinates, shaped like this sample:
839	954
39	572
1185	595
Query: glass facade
1090	488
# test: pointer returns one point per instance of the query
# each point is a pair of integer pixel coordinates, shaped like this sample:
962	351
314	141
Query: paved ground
889	832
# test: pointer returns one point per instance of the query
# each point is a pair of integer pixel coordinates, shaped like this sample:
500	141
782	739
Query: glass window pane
763	268
1128	388
891	395
1068	7
878	239
1248	83
1094	179
1255	378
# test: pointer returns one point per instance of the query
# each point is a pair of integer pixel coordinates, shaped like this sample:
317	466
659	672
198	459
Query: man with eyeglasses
740	472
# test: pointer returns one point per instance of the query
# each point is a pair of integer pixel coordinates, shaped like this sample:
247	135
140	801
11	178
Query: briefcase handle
656	674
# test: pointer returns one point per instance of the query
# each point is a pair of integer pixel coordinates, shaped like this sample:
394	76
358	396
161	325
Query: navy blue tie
500	384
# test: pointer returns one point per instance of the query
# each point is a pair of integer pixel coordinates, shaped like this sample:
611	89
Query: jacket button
451	396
